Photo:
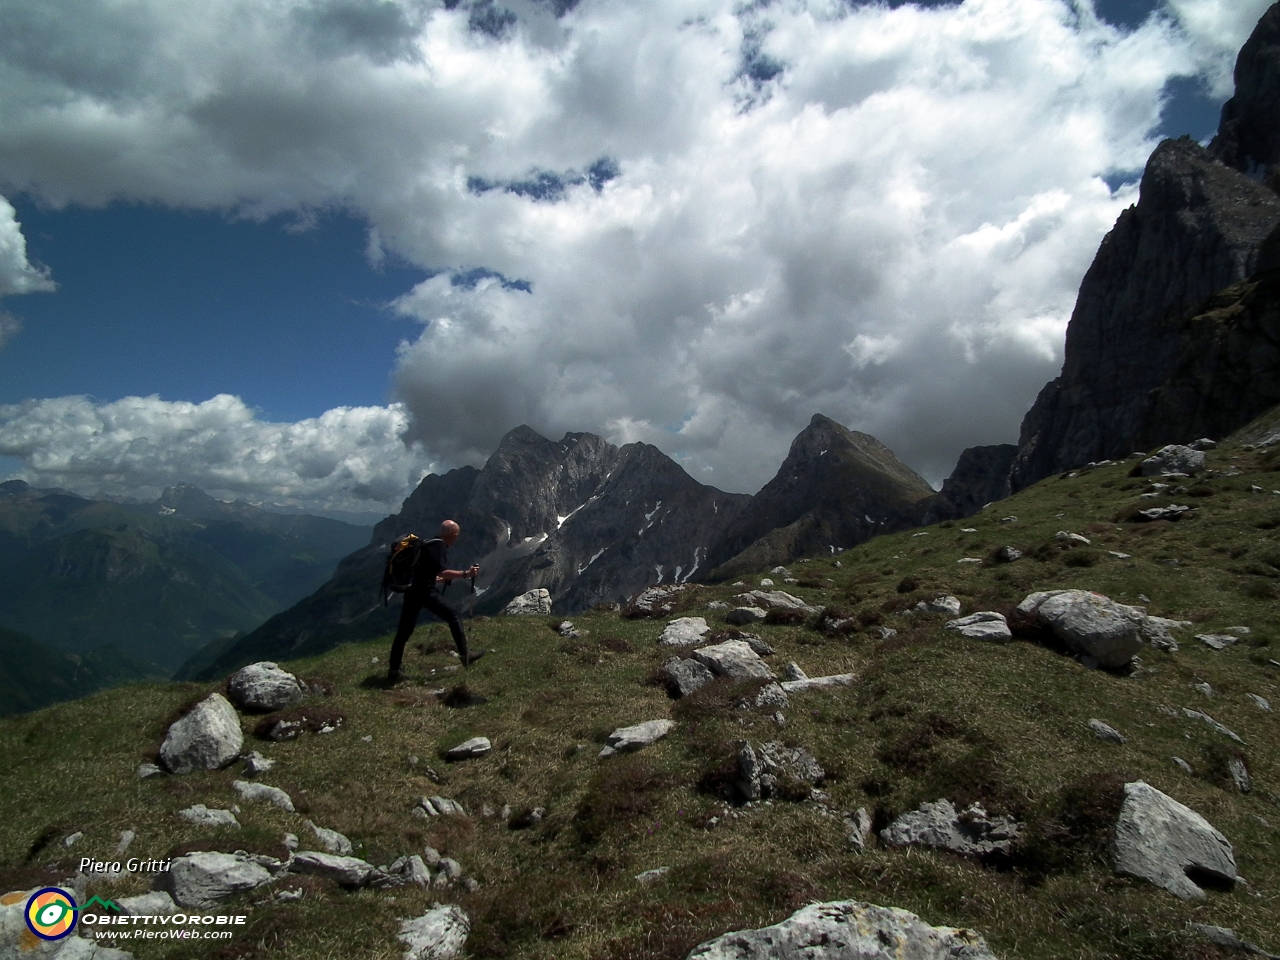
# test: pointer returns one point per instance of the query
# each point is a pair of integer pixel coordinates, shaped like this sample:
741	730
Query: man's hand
473	571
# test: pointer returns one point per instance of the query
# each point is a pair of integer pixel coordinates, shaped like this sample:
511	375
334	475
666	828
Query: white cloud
1217	31
350	458
880	214
17	275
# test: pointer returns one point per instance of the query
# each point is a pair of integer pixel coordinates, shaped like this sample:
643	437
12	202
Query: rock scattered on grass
847	930
1089	624
817	683
331	840
207	738
533	602
983	625
685	676
439	934
260	791
264	687
776	770
255	763
1197	715
1159	840
202	816
345	871
1104	731
1174	460
857	829
148	770
199	880
734	659
684	632
626	739
1217	641
969	832
948	605
651	876
1262	703
475	747
745	616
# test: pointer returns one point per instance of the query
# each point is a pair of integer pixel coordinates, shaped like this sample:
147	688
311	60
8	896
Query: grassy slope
931	715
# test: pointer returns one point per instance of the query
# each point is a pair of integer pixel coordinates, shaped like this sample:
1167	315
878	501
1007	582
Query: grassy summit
931	715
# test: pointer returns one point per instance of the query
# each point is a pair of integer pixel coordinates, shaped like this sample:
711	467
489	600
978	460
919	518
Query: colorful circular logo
51	913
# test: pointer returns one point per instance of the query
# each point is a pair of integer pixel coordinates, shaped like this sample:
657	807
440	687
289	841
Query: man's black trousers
414	603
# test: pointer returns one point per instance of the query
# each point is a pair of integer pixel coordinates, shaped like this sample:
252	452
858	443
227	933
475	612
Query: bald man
431	569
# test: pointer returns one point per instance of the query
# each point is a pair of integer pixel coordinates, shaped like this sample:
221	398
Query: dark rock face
1196	229
981	476
1228	369
1249	133
836	488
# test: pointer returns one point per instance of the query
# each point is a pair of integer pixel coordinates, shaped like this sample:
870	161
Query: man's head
449	532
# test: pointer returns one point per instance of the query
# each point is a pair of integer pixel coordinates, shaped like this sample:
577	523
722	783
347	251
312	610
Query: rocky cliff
836	488
1200	221
981	476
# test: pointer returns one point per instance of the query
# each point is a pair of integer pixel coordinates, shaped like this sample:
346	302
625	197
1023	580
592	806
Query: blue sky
267	287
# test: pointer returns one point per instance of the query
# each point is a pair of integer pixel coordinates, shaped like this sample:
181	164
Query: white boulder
439	934
199	880
1090	624
1174	459
626	739
684	632
1160	840
734	659
846	930
207	738
984	625
537	601
264	687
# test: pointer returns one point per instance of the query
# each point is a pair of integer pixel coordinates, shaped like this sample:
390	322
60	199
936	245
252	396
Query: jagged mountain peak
825	437
1249	133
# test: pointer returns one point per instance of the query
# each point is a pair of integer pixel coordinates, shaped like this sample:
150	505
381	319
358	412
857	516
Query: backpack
397	577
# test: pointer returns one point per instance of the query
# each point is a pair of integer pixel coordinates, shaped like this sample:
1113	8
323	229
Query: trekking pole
473	598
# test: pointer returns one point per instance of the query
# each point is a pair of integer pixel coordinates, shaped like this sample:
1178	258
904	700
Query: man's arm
444	576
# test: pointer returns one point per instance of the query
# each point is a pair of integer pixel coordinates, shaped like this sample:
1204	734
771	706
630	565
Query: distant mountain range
158	581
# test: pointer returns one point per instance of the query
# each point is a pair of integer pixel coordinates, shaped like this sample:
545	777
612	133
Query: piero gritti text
132	865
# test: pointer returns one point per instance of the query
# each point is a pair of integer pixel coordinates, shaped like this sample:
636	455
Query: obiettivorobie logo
51	913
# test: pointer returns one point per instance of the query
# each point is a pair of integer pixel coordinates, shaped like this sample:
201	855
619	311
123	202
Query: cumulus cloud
17	274
348	459
692	222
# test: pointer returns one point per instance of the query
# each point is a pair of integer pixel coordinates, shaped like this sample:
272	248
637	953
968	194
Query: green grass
931	715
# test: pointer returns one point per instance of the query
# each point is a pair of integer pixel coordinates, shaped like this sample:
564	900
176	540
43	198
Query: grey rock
757	644
948	605
291	842
1104	731
626	739
567	630
1158	631
157	903
255	763
766	582
772	695
1173	459
818	683
202	816
200	880
331	840
71	840
847	930
148	770
1238	631
449	868
857	829
475	747
683	677
443	806
1008	554
126	838
439	934
652	876
1160	840
260	791
1226	937
684	632
792	671
1197	715
984	625
536	602
656	600
431	856
207	738
1216	641
774	600
1090	624
1183	765
1171	512
745	616
1204	688
734	659
1262	703
1065	537
1239	774
345	871
265	687
760	771
970	832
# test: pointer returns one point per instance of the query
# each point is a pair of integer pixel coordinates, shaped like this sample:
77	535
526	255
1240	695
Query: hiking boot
471	658
395	676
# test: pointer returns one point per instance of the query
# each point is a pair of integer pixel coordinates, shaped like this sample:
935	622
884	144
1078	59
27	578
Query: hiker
430	570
